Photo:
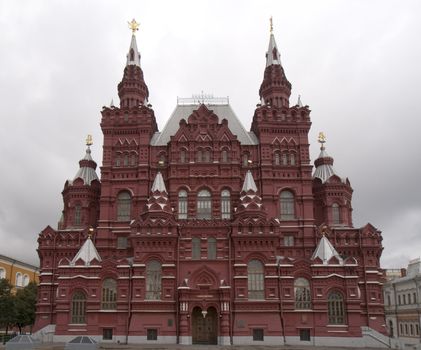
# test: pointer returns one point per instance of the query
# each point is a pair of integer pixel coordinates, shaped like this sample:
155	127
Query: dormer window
131	55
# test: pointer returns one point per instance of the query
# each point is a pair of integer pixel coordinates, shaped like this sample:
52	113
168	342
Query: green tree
7	310
25	301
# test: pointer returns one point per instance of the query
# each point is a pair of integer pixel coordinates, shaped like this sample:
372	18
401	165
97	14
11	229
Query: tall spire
133	57
132	90
275	88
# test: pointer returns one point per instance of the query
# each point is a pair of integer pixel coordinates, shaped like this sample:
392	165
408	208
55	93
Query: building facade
402	307
18	273
207	233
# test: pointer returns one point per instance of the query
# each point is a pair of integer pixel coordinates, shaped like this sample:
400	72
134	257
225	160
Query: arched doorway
205	326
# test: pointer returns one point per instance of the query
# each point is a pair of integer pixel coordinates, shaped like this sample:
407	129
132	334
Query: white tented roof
223	111
249	184
87	253
325	251
159	184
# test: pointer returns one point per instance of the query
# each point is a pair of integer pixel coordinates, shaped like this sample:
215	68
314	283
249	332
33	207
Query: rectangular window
304	334
258	334
107	334
121	242
414	298
399	300
404	299
77	220
152	334
288	241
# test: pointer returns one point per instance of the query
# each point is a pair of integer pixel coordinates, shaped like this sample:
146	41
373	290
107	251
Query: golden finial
133	25
89	141
90	232
271	25
321	139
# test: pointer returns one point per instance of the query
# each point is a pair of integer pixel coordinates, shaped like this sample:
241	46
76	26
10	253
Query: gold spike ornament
89	141
133	25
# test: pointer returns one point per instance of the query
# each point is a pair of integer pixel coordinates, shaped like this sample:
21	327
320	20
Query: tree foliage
7	309
17	309
25	300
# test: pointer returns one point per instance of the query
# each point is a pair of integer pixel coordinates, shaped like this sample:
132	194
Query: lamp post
281	313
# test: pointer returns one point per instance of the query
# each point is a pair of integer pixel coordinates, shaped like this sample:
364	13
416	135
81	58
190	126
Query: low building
402	306
18	272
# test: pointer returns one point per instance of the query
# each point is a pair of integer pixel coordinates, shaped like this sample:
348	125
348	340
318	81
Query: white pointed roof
86	173
324	171
158	184
136	55
325	251
249	183
87	253
273	57
299	103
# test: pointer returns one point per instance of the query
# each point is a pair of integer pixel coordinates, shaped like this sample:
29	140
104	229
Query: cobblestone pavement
60	346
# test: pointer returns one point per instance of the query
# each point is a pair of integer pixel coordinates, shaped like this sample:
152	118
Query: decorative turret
87	253
332	193
132	89
326	254
275	89
249	198
158	202
81	195
324	163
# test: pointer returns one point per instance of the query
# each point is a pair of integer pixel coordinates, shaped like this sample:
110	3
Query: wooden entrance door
205	329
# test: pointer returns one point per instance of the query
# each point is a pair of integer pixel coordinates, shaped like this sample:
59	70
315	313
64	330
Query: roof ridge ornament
133	26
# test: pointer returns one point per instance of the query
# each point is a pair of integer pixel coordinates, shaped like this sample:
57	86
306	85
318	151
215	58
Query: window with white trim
255	276
153	280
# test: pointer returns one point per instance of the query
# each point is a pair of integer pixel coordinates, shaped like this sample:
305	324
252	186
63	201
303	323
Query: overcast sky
355	63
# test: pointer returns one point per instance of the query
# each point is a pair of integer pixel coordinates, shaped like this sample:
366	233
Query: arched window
211	248
124	203
336	309
256	289
78	308
225	204
126	160
292	159
18	279
245	159
182	205
77	218
117	161
224	156
195	248
183	157
2	273
284	159
287	204
199	156
204	205
302	293
109	294
336	214
206	156
276	158
153	280
25	280
133	160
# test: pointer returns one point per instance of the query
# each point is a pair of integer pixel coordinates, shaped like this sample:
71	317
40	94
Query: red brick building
207	233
